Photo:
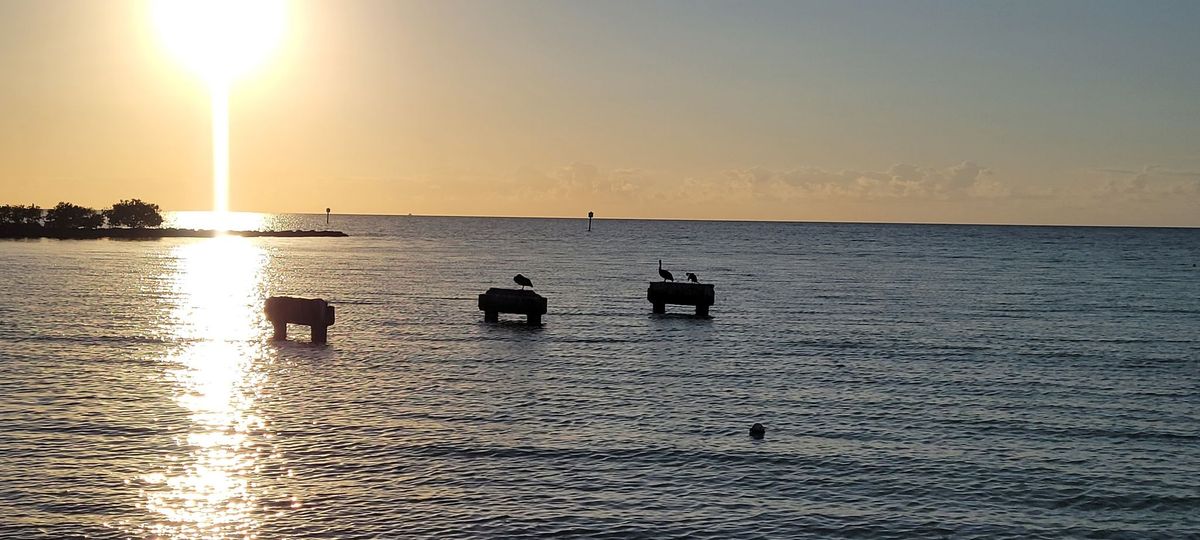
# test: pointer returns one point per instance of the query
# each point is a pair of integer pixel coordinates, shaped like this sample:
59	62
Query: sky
1031	112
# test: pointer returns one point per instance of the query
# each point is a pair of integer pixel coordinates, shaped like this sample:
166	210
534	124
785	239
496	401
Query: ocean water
916	381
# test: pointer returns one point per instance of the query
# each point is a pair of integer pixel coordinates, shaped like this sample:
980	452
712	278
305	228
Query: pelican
523	281
692	277
665	274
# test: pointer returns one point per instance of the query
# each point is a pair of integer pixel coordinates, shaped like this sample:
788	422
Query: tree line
132	213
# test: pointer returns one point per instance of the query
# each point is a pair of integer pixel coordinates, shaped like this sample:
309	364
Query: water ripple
916	382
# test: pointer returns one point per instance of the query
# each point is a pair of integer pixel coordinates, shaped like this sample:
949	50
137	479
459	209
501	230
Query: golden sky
1067	112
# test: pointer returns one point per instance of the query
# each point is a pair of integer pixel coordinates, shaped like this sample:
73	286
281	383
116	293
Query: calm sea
915	381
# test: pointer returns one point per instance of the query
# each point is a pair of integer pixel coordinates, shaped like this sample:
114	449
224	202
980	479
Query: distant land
10	231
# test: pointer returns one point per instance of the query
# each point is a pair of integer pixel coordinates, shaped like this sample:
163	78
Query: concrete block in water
520	301
313	312
700	295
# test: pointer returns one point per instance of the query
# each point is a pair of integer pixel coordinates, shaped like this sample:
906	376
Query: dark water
915	381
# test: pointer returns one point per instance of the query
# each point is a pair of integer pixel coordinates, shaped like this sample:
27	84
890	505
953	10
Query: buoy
757	431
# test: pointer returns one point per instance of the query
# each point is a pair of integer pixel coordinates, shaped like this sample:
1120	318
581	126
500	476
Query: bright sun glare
220	40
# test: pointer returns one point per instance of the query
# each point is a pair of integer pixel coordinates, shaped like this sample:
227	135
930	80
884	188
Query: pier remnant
312	312
700	295
525	302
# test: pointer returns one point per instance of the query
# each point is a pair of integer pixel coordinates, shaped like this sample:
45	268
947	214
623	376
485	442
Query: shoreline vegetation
127	219
9	232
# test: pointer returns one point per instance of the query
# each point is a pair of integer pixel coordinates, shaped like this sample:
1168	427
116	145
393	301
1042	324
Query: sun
220	39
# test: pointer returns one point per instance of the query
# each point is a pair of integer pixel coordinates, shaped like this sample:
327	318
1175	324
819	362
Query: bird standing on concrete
692	277
523	281
665	274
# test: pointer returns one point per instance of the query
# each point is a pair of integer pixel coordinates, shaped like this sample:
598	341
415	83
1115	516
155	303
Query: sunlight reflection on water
220	221
208	492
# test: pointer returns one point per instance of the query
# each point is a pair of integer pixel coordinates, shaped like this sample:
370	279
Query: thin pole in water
590	221
327	216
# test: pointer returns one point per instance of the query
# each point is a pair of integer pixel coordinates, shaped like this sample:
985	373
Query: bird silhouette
692	277
665	274
523	281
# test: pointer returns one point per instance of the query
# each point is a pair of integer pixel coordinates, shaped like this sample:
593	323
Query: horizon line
721	220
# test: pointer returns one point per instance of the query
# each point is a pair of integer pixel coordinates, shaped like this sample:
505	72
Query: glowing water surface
207	492
217	221
915	381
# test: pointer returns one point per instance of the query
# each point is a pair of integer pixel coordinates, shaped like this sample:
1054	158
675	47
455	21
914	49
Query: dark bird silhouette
665	274
692	277
523	281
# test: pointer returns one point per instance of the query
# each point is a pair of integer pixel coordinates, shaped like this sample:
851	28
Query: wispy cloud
903	180
900	181
1147	183
966	191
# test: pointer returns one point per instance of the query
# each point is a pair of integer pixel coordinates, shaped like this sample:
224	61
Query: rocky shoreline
38	231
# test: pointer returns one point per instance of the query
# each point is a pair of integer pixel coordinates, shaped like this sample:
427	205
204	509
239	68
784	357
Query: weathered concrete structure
525	302
662	293
315	313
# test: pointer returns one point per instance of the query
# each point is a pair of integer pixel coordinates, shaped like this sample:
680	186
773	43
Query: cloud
900	181
966	191
586	181
589	179
1151	182
964	182
583	181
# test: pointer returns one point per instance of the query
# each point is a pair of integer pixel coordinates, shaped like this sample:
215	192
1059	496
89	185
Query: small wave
88	340
661	455
1104	499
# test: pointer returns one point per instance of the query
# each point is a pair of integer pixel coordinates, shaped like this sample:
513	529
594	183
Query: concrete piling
700	295
312	312
525	302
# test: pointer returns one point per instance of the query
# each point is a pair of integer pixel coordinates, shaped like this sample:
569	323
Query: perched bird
692	277
523	281
665	274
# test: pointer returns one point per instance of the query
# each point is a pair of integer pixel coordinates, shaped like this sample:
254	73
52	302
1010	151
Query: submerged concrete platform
312	312
701	295
520	301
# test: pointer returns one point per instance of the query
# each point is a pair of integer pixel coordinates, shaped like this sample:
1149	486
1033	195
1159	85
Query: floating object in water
665	274
757	431
700	295
523	281
312	312
496	301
